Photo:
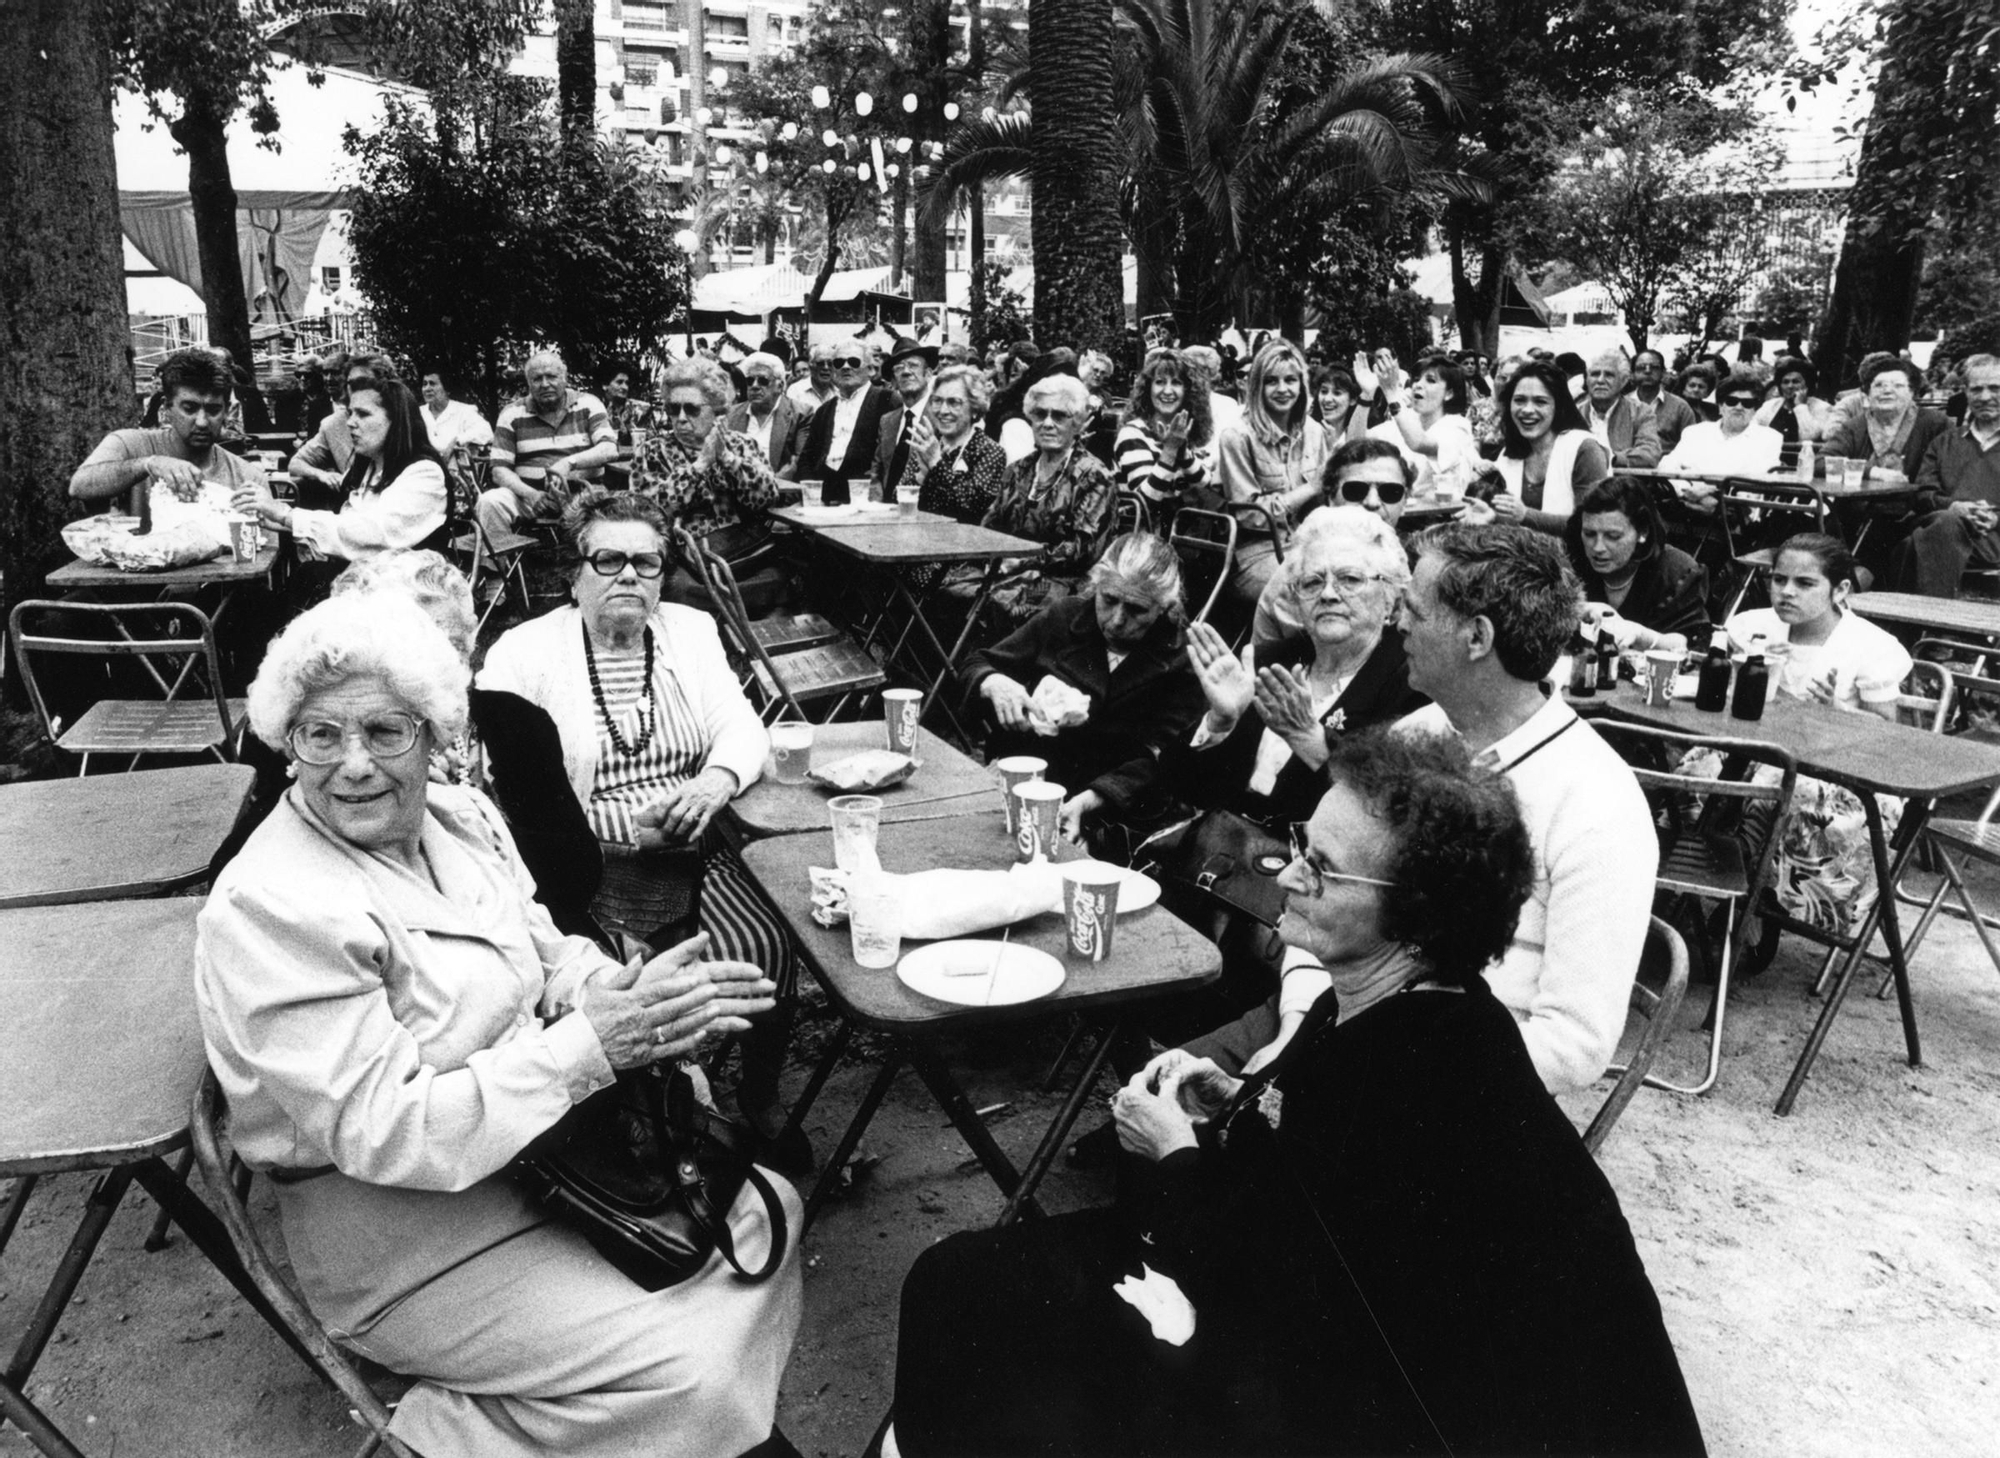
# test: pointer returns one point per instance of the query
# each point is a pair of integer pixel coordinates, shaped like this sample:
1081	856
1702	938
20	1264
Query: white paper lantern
862	172
951	111
789	131
830	137
763	162
894	170
723	154
909	101
821	98
903	144
863	103
827	167
703	116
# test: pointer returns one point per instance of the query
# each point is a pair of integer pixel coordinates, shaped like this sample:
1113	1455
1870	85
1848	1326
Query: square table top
221	571
841	518
101	1050
110	837
947	784
898	540
1154	951
1950	614
1858	750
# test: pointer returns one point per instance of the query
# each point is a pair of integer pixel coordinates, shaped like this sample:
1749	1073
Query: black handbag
1223	860
647	1174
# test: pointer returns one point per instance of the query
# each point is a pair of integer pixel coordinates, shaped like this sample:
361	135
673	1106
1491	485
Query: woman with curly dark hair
1161	452
1388	1240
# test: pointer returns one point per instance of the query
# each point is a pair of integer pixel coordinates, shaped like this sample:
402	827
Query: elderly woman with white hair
393	1018
1061	496
1261	745
713	481
955	466
1118	643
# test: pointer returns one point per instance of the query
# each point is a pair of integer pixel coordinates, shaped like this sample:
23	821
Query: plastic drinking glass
1855	474
874	920
869	491
1017	769
814	492
906	500
1836	472
791	752
857	819
1663	665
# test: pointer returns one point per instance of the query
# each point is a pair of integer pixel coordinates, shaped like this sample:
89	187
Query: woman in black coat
1119	644
1389	1240
1645	592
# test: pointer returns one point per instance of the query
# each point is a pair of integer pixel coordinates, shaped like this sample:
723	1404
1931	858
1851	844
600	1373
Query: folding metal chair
1701	855
784	679
1753	525
1946	837
502	556
228	1181
168	724
1205	543
1664	958
1132	512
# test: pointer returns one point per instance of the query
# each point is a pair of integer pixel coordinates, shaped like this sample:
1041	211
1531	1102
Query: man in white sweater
1489	610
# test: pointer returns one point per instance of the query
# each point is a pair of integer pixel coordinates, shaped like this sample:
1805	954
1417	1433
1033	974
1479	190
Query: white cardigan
542	661
1559	487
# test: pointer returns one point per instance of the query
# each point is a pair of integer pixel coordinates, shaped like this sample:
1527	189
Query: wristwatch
1395	407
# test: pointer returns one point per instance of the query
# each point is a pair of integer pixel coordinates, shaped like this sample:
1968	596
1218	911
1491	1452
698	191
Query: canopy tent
287	186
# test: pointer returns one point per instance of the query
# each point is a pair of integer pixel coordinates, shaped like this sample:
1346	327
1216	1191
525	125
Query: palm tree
1079	283
1217	161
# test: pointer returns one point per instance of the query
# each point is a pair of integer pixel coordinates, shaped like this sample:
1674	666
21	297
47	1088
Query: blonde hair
1276	352
381	635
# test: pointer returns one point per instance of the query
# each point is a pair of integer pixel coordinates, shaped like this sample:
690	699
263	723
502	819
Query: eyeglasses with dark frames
1048	414
674	409
608	563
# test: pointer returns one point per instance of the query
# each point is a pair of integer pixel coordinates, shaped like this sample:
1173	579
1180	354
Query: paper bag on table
939	904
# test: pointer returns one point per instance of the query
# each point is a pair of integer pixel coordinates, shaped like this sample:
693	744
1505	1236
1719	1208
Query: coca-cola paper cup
1037	815
1090	912
1017	769
901	708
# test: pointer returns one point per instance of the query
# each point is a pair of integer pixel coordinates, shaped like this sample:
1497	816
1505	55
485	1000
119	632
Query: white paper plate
965	972
843	512
1136	890
875	508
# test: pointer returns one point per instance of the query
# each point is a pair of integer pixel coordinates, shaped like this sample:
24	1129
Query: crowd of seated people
1373	689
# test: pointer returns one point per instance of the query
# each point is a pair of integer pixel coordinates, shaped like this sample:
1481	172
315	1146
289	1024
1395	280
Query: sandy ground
1832	1280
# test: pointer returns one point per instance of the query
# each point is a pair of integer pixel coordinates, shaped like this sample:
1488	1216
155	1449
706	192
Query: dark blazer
892	453
1218	777
1148	702
811	462
788	428
1851	438
532	789
1669	594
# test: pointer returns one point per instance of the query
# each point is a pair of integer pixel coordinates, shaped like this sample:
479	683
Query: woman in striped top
1162	449
656	738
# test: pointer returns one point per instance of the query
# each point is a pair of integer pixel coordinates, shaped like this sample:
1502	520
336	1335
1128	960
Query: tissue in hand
1064	705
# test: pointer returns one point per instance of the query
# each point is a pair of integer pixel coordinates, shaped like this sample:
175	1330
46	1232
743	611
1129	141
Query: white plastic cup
906	500
1090	911
874	920
1836	472
857	820
1037	820
1855	474
1017	769
901	709
791	752
866	491
813	492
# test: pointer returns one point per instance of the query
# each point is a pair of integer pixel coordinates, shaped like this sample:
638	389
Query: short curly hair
429	580
1461	865
704	375
383	635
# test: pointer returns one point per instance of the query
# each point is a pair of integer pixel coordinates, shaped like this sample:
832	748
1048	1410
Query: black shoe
1096	1150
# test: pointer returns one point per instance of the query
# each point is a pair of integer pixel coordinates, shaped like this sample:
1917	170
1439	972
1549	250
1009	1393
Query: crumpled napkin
1063	705
944	903
1160	1300
867	769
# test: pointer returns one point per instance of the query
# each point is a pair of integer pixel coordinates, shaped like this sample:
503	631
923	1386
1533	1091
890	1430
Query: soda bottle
1712	688
1752	684
1582	674
1607	663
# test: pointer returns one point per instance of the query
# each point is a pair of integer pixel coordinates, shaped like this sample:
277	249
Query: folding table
100	1056
1153	953
113	837
947	785
1954	616
1872	757
227	575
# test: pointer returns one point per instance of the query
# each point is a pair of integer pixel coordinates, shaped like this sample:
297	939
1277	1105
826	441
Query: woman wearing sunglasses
1389	1240
623	708
1732	445
710	480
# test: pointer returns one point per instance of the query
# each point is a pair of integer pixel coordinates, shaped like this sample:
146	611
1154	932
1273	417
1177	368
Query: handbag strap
692	1184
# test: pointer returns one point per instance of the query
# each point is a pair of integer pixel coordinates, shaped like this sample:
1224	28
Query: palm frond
976	151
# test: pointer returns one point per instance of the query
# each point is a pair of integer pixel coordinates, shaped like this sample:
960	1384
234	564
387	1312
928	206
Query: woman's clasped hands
671	1006
1157	1111
681	815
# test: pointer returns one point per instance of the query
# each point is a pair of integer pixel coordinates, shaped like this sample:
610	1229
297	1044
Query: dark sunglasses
1737	402
674	408
609	564
848	362
1390	492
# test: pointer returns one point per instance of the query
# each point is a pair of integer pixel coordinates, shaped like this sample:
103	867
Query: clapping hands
1230	684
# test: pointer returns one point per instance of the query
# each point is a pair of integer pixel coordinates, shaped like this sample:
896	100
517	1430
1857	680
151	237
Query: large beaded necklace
649	715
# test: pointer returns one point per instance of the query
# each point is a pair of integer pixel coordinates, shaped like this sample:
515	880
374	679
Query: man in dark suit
1615	418
767	414
911	366
840	441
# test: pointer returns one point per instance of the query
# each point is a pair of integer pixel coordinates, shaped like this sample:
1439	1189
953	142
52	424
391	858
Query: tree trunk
64	380
1153	248
1477	303
1874	298
576	68
930	54
1079	288
201	131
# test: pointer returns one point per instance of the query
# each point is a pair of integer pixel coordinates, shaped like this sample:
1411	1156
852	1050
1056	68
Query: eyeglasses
1050	416
1390	492
848	362
385	736
1737	402
609	564
673	408
1345	584
1318	875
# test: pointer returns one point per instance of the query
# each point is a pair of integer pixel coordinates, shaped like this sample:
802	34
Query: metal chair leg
17	1201
1076	1036
1716	1014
